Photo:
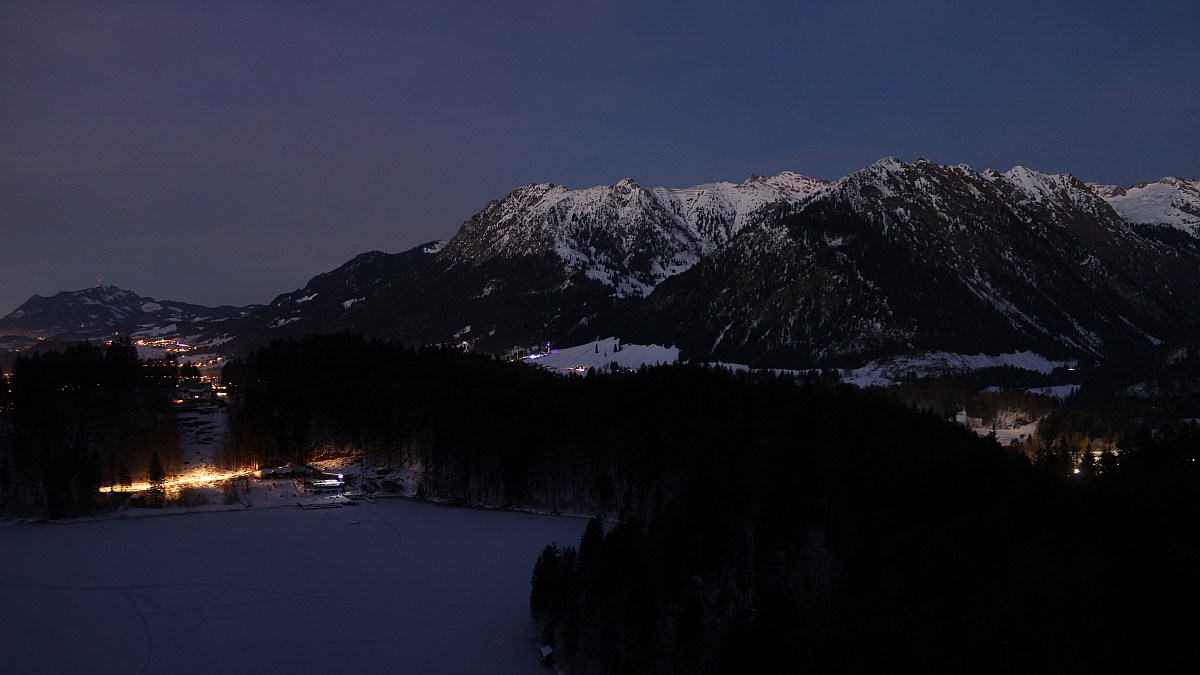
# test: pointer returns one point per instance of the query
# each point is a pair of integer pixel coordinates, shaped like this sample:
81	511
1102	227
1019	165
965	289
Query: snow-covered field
891	370
601	354
395	586
1005	433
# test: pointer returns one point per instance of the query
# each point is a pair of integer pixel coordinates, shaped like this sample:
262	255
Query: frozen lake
397	586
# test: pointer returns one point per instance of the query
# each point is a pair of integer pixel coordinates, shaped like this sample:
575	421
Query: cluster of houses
313	478
194	395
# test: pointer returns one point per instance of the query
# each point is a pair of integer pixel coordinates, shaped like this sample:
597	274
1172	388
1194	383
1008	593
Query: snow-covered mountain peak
886	179
1106	191
891	177
104	293
1171	201
631	238
1037	183
1181	183
937	202
623	235
618	234
1061	196
888	165
716	212
787	183
900	256
1029	181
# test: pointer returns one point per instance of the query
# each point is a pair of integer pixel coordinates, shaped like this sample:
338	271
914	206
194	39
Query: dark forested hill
764	520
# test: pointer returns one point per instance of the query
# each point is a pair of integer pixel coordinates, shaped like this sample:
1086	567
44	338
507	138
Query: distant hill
105	310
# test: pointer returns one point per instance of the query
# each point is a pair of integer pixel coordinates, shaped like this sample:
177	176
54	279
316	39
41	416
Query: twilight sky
223	152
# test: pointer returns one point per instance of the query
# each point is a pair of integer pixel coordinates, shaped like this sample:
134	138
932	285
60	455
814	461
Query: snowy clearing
601	354
391	586
1005	434
889	371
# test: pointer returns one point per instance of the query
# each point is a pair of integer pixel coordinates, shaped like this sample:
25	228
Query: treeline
831	516
471	422
494	433
925	552
486	431
79	419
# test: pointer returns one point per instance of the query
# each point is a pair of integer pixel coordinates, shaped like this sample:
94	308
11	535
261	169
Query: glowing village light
194	479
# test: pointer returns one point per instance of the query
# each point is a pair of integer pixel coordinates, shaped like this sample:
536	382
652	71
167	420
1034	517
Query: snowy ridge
927	258
718	211
602	354
910	197
619	235
892	187
1060	192
891	370
623	235
1174	202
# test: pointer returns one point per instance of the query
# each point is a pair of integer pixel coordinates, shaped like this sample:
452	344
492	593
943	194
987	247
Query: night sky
225	152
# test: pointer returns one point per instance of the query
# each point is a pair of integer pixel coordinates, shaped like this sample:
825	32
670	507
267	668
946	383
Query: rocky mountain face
919	257
625	236
105	310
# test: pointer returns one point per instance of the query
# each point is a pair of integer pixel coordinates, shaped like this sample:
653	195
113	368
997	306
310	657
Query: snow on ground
891	370
743	368
391	586
600	354
202	435
1019	434
1170	201
1060	391
152	332
1004	436
382	584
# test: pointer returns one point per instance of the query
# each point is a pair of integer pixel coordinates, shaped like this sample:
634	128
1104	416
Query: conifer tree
545	582
590	544
158	492
123	477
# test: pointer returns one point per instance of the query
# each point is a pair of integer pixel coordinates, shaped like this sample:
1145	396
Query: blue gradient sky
224	152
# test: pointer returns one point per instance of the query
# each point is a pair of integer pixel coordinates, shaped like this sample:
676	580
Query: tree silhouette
157	495
123	477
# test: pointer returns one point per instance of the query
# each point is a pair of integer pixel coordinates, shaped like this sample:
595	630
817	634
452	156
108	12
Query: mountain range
104	310
784	271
